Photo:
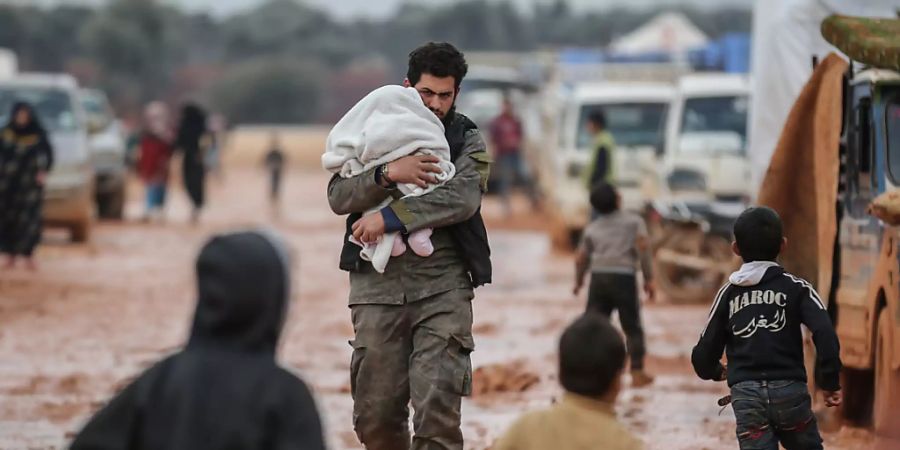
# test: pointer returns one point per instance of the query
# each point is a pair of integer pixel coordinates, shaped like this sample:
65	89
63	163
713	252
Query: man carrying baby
413	322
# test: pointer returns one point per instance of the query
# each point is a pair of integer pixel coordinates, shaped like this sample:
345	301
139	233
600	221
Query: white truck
636	115
701	187
706	139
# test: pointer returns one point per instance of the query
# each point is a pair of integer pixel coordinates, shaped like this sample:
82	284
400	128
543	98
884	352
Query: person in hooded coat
25	159
224	390
192	140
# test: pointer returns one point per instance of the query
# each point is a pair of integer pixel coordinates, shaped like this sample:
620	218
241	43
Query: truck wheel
81	231
858	387
887	380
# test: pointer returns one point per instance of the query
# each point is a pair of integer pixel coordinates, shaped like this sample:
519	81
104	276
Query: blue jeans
156	196
769	412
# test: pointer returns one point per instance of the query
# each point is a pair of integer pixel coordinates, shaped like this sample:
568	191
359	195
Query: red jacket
506	134
153	166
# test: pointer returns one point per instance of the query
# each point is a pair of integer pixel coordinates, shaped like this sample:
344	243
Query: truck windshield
892	119
631	124
714	125
53	106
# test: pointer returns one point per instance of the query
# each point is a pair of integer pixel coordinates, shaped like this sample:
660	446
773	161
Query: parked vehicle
706	139
636	115
867	301
107	148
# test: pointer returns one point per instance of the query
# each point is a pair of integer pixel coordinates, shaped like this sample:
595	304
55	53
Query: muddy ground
97	314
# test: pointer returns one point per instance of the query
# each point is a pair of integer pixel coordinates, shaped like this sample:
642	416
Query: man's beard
447	118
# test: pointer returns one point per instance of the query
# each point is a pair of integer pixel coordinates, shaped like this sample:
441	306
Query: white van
69	190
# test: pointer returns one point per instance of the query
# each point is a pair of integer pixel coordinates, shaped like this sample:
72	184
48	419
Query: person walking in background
217	130
507	137
611	248
26	158
601	168
193	141
224	390
154	156
274	163
591	361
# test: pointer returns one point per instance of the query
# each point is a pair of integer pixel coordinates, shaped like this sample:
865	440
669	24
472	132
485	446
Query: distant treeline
285	61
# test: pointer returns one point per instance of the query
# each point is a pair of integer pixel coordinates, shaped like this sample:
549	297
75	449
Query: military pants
417	353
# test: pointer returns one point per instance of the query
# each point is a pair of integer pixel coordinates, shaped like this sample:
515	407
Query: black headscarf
34	124
224	390
191	127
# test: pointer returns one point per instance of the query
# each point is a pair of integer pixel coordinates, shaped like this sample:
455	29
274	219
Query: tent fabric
668	32
809	146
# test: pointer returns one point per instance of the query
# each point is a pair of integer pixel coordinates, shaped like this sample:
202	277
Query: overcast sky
346	9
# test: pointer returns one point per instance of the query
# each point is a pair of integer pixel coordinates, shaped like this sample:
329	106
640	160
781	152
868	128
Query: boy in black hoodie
224	390
756	319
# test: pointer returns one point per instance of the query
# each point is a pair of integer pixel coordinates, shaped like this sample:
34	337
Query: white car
69	190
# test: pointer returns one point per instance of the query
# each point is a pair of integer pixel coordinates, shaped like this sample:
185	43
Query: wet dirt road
97	314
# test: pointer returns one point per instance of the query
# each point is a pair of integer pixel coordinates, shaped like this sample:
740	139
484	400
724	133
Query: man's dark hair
604	198
598	118
758	233
438	59
591	356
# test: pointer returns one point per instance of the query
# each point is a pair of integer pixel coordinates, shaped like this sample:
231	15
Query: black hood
34	124
192	125
243	292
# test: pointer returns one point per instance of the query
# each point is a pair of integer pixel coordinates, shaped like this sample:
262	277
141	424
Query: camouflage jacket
409	277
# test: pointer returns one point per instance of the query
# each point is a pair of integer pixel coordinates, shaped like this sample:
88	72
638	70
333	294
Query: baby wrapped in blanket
389	123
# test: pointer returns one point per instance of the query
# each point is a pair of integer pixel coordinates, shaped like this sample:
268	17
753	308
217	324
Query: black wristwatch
382	173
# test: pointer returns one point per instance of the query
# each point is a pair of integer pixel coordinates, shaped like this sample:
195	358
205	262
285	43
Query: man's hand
418	170
832	399
650	290
369	228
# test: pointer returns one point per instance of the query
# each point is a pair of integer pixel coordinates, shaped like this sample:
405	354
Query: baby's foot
399	247
420	242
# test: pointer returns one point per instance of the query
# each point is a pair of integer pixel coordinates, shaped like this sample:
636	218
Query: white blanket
389	123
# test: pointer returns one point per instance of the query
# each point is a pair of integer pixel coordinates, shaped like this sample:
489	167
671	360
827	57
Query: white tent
667	32
786	36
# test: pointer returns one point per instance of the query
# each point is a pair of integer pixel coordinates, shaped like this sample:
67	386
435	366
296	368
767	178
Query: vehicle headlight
686	180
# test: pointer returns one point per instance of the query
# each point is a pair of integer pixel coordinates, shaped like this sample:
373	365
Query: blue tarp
730	53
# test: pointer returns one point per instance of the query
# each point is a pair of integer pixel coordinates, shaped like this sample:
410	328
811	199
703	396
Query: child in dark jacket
612	247
755	319
224	390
